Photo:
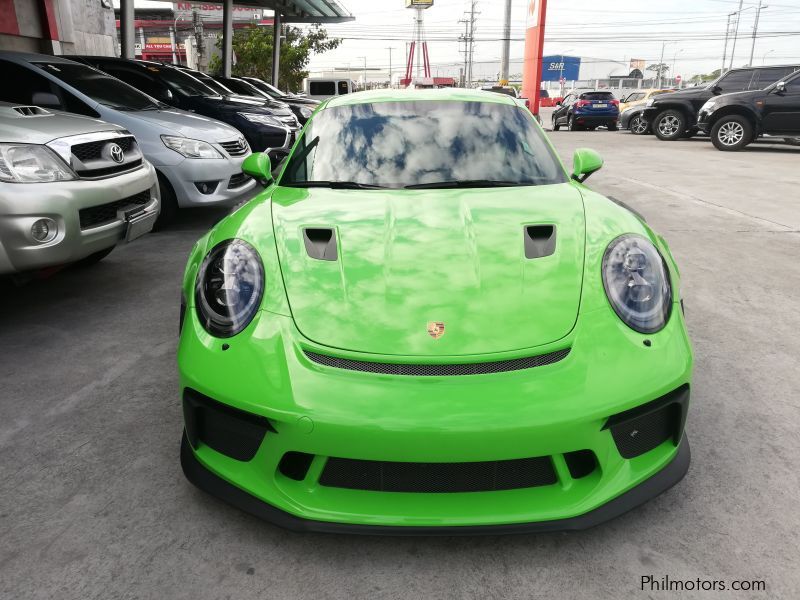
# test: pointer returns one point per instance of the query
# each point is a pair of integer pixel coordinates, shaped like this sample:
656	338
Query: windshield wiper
336	185
467	183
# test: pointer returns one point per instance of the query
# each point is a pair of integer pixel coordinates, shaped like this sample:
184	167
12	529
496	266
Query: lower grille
103	214
238	180
227	430
438	370
646	427
432	478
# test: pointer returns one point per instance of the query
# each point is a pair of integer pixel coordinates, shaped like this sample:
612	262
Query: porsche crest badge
435	329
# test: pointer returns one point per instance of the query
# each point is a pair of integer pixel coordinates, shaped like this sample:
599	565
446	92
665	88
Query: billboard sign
209	11
557	67
419	3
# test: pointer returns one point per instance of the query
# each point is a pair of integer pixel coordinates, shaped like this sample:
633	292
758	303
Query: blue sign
557	66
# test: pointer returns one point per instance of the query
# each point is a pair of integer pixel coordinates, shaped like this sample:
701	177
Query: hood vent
540	240
320	243
31	111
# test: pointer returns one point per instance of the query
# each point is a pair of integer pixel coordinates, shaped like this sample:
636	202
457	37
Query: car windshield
100	87
215	85
182	82
240	87
423	143
263	85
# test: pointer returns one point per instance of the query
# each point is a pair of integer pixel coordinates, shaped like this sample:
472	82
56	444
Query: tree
253	50
659	69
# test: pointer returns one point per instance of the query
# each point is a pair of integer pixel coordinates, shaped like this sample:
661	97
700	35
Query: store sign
213	12
557	67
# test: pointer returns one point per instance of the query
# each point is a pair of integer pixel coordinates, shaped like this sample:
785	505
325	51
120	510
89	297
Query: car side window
736	81
568	100
26	83
343	88
765	77
793	86
321	88
140	81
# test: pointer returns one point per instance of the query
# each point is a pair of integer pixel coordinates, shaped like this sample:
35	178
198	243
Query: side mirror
780	87
258	165
716	89
166	95
558	103
585	161
46	99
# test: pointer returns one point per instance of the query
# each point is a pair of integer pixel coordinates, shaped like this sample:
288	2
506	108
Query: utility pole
464	38
736	32
506	44
755	30
469	41
365	70
725	49
661	64
390	48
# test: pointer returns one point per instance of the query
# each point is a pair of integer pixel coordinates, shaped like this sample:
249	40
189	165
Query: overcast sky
619	30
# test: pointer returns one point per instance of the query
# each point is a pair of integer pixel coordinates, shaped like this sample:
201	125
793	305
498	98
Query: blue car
586	110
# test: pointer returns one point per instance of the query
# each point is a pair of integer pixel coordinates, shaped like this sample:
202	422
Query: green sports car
424	324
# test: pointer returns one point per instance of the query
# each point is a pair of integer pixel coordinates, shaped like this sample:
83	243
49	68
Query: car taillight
581	103
615	102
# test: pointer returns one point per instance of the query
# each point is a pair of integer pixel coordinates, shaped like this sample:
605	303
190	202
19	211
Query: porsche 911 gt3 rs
424	324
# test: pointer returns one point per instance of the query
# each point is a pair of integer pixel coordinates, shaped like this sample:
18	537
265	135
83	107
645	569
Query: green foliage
658	68
253	50
707	77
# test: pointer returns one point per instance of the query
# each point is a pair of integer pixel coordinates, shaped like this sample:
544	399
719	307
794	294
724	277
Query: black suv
265	129
673	116
735	120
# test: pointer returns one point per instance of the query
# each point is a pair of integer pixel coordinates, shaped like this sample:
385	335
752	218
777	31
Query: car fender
735	109
683	106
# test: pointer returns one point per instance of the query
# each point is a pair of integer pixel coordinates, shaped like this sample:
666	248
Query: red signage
534	46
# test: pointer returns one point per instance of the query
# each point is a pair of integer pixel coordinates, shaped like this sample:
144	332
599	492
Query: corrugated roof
304	11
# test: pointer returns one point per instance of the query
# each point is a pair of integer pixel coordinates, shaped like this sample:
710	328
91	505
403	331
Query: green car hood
408	258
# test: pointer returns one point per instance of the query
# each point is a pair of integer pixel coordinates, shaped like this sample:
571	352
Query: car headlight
650	102
190	148
229	287
637	283
306	112
261	119
31	163
708	105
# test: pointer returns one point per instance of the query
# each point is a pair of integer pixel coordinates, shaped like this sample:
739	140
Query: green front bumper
547	411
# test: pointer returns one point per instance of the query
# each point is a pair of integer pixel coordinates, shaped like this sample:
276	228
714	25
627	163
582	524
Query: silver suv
198	160
71	188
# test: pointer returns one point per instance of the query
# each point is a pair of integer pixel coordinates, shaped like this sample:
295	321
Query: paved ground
93	503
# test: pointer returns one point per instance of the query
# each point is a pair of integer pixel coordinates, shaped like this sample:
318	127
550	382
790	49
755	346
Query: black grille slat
238	180
438	370
102	214
235	148
436	478
637	436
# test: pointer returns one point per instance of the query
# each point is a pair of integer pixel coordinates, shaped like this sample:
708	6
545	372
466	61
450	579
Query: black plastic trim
540	240
207	481
320	243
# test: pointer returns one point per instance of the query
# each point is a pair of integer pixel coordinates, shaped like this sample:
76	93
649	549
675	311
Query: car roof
410	95
24	57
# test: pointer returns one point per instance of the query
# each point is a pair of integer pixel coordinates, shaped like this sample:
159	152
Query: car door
781	112
561	111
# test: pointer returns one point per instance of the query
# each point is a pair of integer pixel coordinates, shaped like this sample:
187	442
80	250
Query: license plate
601	106
138	224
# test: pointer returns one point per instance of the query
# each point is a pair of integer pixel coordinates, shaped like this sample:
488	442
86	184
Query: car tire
555	124
669	125
612	126
638	125
571	124
169	204
731	133
792	141
95	258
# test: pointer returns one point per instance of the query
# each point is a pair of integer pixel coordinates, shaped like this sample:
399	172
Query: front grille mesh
107	213
94	150
438	370
433	478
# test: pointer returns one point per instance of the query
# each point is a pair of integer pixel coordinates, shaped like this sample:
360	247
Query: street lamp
674	59
561	70
365	70
764	58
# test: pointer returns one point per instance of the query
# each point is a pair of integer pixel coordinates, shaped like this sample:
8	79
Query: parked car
735	120
302	111
198	160
266	130
631	115
586	110
71	188
674	116
400	255
501	89
279	94
321	88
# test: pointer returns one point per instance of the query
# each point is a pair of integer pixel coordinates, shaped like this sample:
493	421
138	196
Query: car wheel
95	258
669	125
555	124
571	123
638	125
169	204
612	126
731	133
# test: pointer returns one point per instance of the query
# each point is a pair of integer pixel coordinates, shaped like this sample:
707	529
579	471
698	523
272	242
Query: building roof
304	11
